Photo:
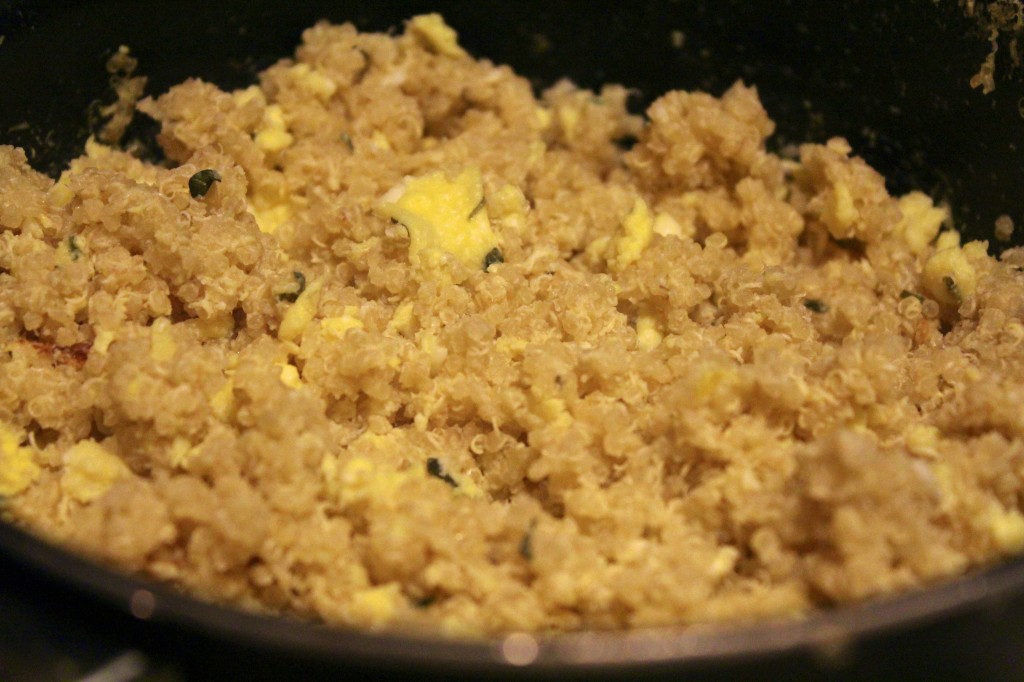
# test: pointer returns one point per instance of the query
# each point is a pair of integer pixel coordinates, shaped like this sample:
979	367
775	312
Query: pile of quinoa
689	382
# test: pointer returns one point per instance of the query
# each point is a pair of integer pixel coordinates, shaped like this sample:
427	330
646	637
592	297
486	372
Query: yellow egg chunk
840	212
921	220
314	82
402	320
437	34
269	214
90	471
569	118
18	469
60	195
443	214
104	337
1008	531
337	327
301	313
637	230
273	135
949	277
648	335
162	347
223	401
375	606
290	376
667	226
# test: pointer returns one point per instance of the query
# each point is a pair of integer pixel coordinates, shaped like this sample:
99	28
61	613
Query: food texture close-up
384	352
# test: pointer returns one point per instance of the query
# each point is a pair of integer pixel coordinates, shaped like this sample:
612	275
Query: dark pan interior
891	77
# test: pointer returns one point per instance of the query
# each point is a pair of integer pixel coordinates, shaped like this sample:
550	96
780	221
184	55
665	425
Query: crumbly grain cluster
423	349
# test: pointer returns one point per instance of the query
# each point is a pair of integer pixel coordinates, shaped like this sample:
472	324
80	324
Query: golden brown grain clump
426	349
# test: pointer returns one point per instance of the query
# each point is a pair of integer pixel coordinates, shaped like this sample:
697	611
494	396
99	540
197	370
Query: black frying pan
891	77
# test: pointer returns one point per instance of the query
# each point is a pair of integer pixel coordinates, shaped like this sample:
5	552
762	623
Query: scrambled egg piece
271	205
949	277
313	82
375	605
161	344
269	214
923	440
637	230
273	135
648	335
402	320
553	411
18	469
667	226
290	375
249	94
840	212
60	195
104	337
433	30
569	118
338	326
443	214
223	401
301	313
1007	529
69	250
90	471
360	480
181	451
509	206
921	220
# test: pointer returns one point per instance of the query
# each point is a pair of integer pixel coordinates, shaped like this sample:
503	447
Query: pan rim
821	634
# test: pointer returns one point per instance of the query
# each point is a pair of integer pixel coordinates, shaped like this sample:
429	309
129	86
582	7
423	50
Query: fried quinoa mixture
389	341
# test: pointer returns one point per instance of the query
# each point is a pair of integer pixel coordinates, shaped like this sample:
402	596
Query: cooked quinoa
390	341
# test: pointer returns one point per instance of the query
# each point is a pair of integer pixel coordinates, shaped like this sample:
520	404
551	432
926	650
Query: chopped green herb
434	469
626	142
73	248
526	544
358	77
292	296
476	209
816	306
424	602
952	288
347	139
493	257
907	294
200	183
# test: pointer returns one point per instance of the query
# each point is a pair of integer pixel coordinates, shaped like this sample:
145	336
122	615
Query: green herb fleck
358	77
526	544
952	288
815	305
424	602
292	296
476	209
493	257
73	248
200	183
347	139
626	142
908	294
434	469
